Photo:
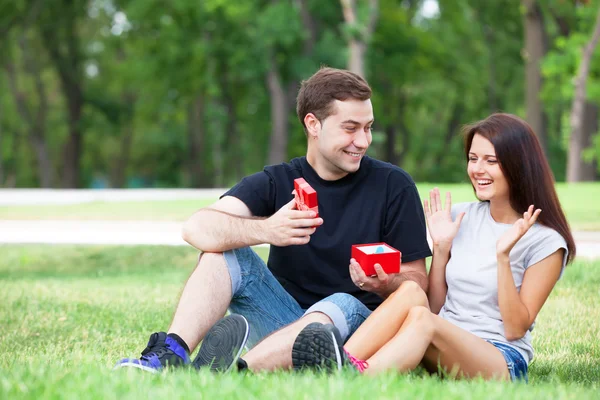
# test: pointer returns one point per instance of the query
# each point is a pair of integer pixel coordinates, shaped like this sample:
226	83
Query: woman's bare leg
429	338
386	320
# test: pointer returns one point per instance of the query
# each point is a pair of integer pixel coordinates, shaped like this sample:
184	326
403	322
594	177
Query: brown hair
525	168
318	92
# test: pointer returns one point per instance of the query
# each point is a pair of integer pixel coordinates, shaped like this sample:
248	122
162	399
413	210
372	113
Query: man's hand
382	284
290	226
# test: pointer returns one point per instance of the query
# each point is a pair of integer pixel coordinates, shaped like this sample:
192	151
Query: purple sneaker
161	351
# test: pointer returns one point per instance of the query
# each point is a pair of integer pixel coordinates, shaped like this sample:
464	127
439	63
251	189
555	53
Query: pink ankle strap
360	365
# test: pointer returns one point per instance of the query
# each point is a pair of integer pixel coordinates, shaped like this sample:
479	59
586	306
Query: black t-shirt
378	203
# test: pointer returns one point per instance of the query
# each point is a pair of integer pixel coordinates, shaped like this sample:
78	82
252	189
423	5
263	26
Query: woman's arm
519	310
438	288
442	231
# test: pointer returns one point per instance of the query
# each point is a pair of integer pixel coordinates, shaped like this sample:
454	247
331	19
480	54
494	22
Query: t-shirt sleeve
547	244
257	191
405	222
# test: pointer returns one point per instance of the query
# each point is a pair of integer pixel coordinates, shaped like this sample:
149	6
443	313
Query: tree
575	164
359	32
536	47
59	29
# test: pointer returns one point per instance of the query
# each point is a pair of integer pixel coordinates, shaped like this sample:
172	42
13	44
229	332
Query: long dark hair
525	168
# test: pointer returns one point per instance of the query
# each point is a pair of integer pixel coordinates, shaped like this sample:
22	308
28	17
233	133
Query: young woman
494	264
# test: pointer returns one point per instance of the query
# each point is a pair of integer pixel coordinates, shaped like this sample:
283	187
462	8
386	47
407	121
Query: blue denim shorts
259	297
517	366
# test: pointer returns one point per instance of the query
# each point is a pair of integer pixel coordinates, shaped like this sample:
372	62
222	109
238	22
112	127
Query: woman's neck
502	212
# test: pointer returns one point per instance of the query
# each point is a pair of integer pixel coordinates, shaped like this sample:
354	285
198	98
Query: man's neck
324	168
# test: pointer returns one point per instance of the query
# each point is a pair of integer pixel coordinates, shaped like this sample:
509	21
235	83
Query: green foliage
144	65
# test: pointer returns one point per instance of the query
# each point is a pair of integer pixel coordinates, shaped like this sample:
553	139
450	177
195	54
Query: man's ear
313	125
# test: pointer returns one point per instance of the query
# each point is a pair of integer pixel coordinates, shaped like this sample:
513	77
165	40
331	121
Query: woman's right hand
439	220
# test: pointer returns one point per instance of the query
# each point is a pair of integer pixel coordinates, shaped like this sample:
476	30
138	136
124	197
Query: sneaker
321	346
160	352
303	356
223	344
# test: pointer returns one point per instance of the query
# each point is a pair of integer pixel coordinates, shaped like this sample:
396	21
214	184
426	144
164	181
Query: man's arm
229	224
224	225
383	284
411	271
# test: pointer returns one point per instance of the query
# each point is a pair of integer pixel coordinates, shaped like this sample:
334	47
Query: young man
309	277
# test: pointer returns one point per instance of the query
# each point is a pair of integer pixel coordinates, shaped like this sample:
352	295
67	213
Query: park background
171	102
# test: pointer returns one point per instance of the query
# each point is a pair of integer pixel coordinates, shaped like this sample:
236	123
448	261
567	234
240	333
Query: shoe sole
223	344
318	346
138	366
337	344
303	356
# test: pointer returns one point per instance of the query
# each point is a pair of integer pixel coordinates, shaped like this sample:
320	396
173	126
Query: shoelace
360	365
159	349
148	352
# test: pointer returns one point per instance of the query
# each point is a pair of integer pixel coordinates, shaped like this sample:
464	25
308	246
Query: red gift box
389	258
306	196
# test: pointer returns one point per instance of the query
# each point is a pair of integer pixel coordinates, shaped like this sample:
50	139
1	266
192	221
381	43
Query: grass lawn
68	313
580	201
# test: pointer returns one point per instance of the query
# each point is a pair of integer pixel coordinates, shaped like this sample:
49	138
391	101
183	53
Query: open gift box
367	255
306	196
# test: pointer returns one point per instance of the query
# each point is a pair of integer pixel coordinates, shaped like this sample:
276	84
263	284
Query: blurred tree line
130	93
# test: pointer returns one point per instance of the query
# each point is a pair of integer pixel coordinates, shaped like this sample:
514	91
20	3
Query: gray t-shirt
472	273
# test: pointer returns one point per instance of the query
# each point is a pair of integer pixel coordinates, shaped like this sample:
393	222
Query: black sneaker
223	344
318	346
160	352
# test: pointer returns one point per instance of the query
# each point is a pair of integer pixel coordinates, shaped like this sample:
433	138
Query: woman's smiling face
485	172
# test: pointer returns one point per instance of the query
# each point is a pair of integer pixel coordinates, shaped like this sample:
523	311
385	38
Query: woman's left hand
516	232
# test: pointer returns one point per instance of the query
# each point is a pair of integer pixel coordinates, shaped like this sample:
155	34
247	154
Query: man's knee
345	311
211	259
315	316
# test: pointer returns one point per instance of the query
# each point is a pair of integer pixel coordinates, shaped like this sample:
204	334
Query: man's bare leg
275	351
204	300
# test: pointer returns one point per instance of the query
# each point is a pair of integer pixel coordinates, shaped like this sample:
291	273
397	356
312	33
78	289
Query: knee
422	317
210	259
315	316
412	292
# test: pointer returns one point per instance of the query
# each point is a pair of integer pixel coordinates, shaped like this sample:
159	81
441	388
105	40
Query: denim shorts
517	366
267	306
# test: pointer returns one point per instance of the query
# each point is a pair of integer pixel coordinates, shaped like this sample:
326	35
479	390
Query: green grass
68	313
580	201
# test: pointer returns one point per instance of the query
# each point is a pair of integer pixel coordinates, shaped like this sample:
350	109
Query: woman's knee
411	291
422	317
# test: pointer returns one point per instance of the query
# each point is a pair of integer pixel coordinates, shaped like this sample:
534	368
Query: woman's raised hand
439	220
508	240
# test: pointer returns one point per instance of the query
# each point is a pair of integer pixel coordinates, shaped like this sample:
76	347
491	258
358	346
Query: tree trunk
452	129
119	175
279	113
359	35
390	144
590	128
577	139
33	118
235	165
1	143
62	42
535	49
44	164
72	151
196	142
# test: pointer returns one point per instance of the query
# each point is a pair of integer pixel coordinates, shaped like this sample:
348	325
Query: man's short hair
318	92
